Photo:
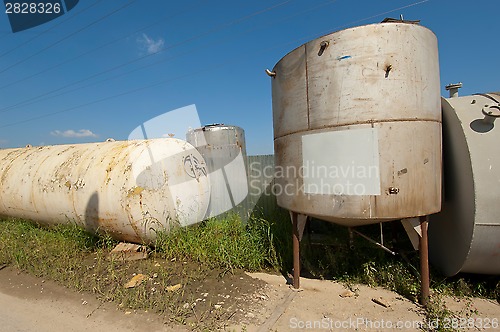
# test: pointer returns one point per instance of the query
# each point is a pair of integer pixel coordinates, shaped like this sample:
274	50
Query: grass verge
196	259
208	251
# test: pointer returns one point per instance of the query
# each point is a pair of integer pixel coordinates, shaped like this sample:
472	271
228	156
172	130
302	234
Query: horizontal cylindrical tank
465	235
129	189
224	150
357	125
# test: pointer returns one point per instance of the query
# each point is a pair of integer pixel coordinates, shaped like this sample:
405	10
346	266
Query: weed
218	247
440	318
438	314
226	243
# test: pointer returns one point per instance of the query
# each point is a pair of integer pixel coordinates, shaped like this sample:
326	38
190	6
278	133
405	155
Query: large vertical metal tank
357	125
224	150
465	235
128	189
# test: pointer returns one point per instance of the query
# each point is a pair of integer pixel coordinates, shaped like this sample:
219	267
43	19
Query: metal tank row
359	129
127	189
361	136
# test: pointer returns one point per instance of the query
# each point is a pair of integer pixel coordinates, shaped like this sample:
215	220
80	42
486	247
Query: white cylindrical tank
224	150
357	125
128	189
465	235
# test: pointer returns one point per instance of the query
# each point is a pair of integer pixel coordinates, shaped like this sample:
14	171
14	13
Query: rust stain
135	191
403	171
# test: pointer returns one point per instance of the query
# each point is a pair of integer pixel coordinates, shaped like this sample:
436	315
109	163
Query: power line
380	14
216	29
135	90
103	46
37	100
52	28
68	36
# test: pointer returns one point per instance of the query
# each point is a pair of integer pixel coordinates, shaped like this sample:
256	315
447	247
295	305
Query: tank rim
352	28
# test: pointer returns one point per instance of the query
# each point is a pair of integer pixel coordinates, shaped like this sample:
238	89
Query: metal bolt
322	47
393	191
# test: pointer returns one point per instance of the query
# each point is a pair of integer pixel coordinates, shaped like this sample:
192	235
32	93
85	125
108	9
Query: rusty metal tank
465	235
224	150
357	125
128	189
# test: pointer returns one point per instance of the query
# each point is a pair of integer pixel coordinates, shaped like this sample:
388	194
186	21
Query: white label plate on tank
341	162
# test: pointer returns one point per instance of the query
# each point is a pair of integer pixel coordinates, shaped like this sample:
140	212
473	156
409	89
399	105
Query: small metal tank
224	150
357	125
128	189
465	235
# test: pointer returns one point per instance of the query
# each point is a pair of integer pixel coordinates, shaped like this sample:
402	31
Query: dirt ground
31	304
323	305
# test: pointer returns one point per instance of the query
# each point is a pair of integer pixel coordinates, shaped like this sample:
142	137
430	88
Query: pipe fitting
270	73
491	113
453	88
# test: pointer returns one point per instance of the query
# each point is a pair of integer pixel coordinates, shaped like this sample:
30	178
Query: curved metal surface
362	99
128	189
465	235
224	149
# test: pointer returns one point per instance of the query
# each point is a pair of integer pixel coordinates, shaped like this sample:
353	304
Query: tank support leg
298	224
424	262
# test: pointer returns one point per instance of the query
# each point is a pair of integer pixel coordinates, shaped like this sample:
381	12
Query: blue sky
100	71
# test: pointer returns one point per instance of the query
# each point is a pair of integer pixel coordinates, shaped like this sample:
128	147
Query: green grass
364	264
190	256
223	243
441	319
370	265
39	251
77	259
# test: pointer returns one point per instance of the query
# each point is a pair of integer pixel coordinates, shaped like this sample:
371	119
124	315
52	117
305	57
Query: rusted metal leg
394	235
296	251
424	262
351	238
298	225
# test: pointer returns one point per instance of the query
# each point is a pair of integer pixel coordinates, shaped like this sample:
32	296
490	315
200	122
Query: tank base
299	222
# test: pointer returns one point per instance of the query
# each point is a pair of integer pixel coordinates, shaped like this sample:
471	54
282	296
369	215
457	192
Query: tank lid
399	20
218	126
213	125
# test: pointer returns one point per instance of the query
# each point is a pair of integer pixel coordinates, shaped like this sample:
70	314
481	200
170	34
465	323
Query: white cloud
73	133
151	45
